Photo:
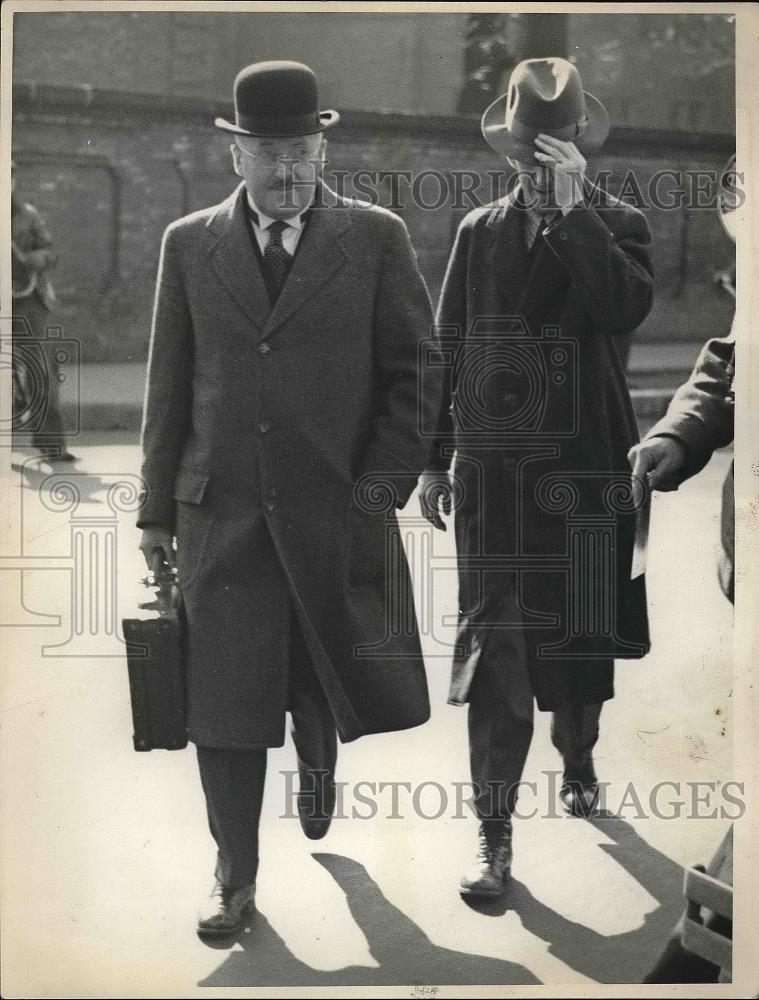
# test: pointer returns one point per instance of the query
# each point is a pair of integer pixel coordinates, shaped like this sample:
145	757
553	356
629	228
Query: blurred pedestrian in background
35	369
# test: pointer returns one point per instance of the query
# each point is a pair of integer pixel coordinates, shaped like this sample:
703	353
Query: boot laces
494	846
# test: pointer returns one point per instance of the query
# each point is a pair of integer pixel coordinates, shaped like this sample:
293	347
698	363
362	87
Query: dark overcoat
28	233
537	408
278	443
701	416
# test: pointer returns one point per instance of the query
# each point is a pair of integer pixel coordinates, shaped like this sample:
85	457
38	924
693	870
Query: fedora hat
544	95
277	98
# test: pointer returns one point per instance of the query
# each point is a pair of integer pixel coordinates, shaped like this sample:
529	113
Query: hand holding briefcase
156	666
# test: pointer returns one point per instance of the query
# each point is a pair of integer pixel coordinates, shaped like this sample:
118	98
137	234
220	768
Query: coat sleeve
406	387
701	414
40	234
168	396
450	321
609	261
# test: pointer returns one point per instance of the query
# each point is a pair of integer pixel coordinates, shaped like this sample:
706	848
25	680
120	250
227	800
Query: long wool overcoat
537	407
701	416
278	443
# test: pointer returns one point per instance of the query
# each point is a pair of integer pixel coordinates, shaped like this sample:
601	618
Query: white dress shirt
537	222
290	234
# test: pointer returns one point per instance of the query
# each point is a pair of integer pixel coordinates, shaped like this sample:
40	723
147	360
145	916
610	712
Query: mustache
288	185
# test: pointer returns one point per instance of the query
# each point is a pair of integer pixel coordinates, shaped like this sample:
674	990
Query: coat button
264	428
563	235
264	349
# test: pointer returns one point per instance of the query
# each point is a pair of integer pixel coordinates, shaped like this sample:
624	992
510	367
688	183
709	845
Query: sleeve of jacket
450	321
407	389
168	396
701	414
40	234
609	260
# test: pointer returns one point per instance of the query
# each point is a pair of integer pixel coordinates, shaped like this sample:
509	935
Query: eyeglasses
270	157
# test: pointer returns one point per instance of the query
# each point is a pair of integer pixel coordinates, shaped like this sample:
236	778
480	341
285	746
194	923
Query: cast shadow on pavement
41	476
615	958
404	953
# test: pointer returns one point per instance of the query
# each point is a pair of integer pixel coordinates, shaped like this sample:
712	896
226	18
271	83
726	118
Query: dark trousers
233	780
501	707
36	368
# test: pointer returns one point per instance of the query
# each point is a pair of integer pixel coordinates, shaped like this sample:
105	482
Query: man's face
538	184
280	174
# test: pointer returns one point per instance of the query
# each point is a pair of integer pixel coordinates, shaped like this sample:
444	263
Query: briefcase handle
163	578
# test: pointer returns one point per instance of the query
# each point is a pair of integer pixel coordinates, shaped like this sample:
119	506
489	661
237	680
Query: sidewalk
107	852
109	396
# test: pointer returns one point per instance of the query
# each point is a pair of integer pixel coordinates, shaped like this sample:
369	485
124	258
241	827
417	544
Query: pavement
106	852
108	397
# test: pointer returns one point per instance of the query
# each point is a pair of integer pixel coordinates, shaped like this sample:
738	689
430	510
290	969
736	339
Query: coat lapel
506	255
546	278
319	257
527	283
235	261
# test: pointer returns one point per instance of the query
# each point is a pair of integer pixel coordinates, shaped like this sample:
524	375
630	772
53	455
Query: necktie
277	260
533	225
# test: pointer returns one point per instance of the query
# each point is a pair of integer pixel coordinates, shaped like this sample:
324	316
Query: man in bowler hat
539	286
282	400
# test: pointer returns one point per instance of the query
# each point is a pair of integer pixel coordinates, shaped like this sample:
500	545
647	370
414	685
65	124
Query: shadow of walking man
404	953
40	476
616	958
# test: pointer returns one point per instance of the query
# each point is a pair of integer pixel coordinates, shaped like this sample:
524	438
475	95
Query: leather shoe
226	910
578	798
492	869
579	789
316	803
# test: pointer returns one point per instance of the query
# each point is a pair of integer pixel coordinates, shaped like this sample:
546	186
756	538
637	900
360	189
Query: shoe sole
249	911
487	893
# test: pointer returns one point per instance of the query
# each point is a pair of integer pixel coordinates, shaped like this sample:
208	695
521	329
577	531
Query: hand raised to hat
568	166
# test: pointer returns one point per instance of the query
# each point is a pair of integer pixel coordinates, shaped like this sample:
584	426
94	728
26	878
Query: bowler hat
277	98
545	95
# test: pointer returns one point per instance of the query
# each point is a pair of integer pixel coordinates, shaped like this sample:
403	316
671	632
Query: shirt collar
263	221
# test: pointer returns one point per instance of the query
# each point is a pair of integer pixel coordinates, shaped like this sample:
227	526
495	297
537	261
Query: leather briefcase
155	662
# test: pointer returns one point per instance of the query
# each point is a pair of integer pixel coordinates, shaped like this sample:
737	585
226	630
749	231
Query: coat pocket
190	485
193	522
193	526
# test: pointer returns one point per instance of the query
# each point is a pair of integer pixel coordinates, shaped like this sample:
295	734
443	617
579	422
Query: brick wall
388	61
674	70
110	170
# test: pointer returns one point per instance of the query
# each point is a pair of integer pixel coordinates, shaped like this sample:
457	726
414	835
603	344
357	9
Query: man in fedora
538	287
283	399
